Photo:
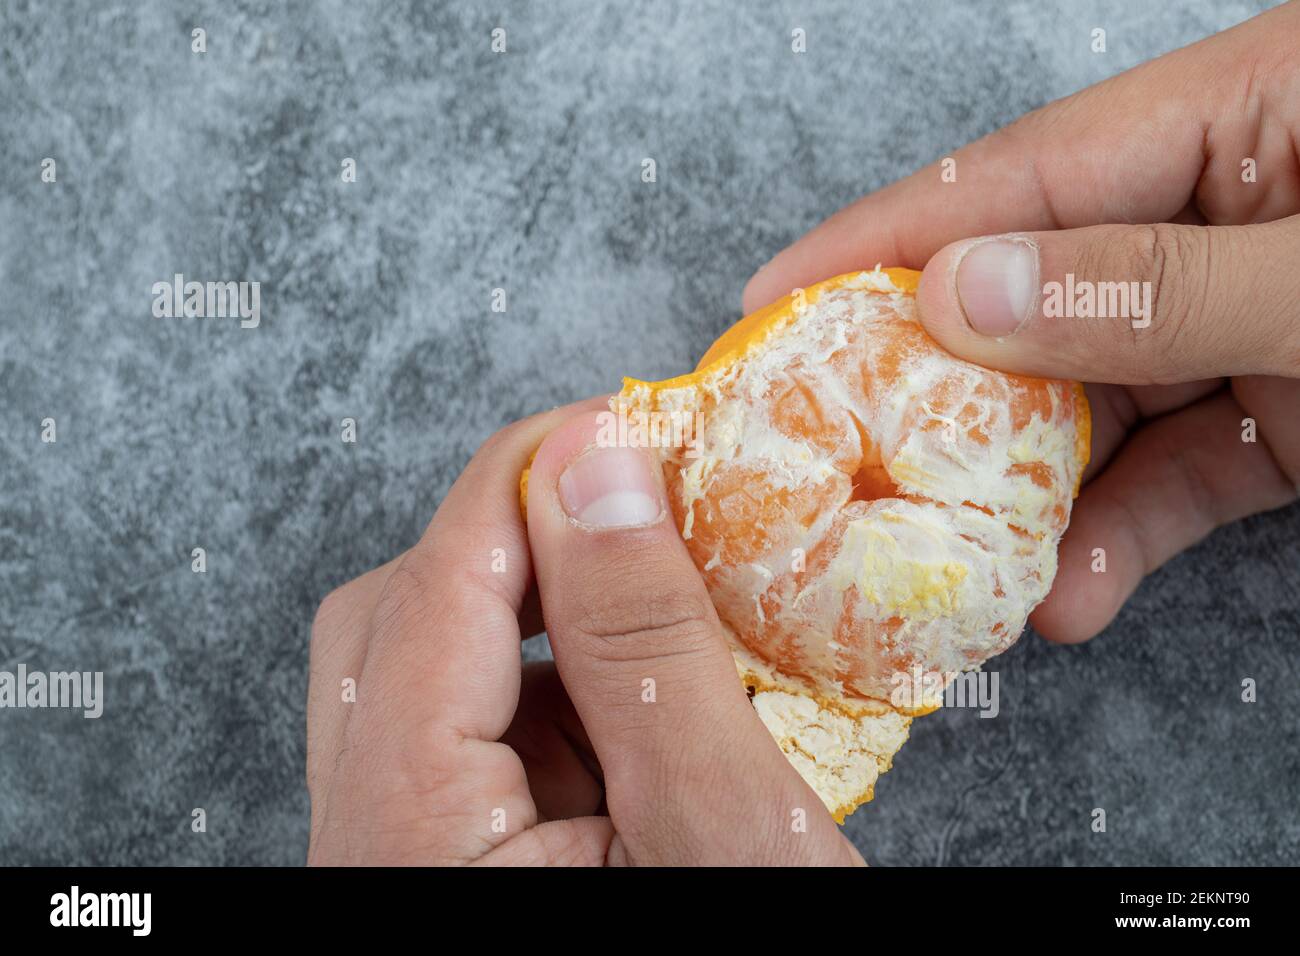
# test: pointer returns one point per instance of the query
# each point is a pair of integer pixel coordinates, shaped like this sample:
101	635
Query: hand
1201	147
637	746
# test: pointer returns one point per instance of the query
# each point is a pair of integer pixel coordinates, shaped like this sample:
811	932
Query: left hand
453	752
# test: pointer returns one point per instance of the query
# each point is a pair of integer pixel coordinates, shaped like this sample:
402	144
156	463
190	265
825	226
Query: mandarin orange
865	508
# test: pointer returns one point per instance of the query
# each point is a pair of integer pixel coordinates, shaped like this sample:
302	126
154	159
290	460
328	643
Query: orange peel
864	507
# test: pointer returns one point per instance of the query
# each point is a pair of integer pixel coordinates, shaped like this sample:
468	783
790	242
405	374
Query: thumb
1132	305
691	774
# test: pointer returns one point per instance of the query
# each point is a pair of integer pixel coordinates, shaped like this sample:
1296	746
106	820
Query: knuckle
1164	257
1162	253
407	594
644	623
424	590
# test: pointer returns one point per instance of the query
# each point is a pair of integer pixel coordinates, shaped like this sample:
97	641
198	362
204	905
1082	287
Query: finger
1176	480
342	622
563	773
341	628
1151	401
691	774
1126	304
1270	407
1129	160
583	841
1117	408
440	678
446	630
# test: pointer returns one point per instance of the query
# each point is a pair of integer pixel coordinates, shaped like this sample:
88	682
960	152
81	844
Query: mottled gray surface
522	171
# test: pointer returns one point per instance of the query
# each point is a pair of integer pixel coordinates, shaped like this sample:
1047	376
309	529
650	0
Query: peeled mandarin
864	507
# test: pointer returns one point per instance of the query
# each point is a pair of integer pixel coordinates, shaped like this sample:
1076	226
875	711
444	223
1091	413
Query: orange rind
865	508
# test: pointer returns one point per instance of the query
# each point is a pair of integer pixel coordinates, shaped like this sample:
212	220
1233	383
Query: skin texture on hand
1183	173
637	746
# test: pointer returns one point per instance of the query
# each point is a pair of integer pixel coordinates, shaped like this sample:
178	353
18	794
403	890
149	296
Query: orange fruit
865	509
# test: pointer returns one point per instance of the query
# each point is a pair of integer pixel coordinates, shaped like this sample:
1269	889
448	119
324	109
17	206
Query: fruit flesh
862	503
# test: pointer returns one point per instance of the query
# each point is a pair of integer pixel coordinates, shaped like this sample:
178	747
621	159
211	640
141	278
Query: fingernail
997	283
611	488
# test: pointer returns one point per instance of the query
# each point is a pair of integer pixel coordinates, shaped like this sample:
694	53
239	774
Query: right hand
1164	145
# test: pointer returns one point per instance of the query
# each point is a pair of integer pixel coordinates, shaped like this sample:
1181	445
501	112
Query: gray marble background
478	170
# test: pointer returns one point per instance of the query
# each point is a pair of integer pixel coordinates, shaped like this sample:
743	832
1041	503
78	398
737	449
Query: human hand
455	752
1202	147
